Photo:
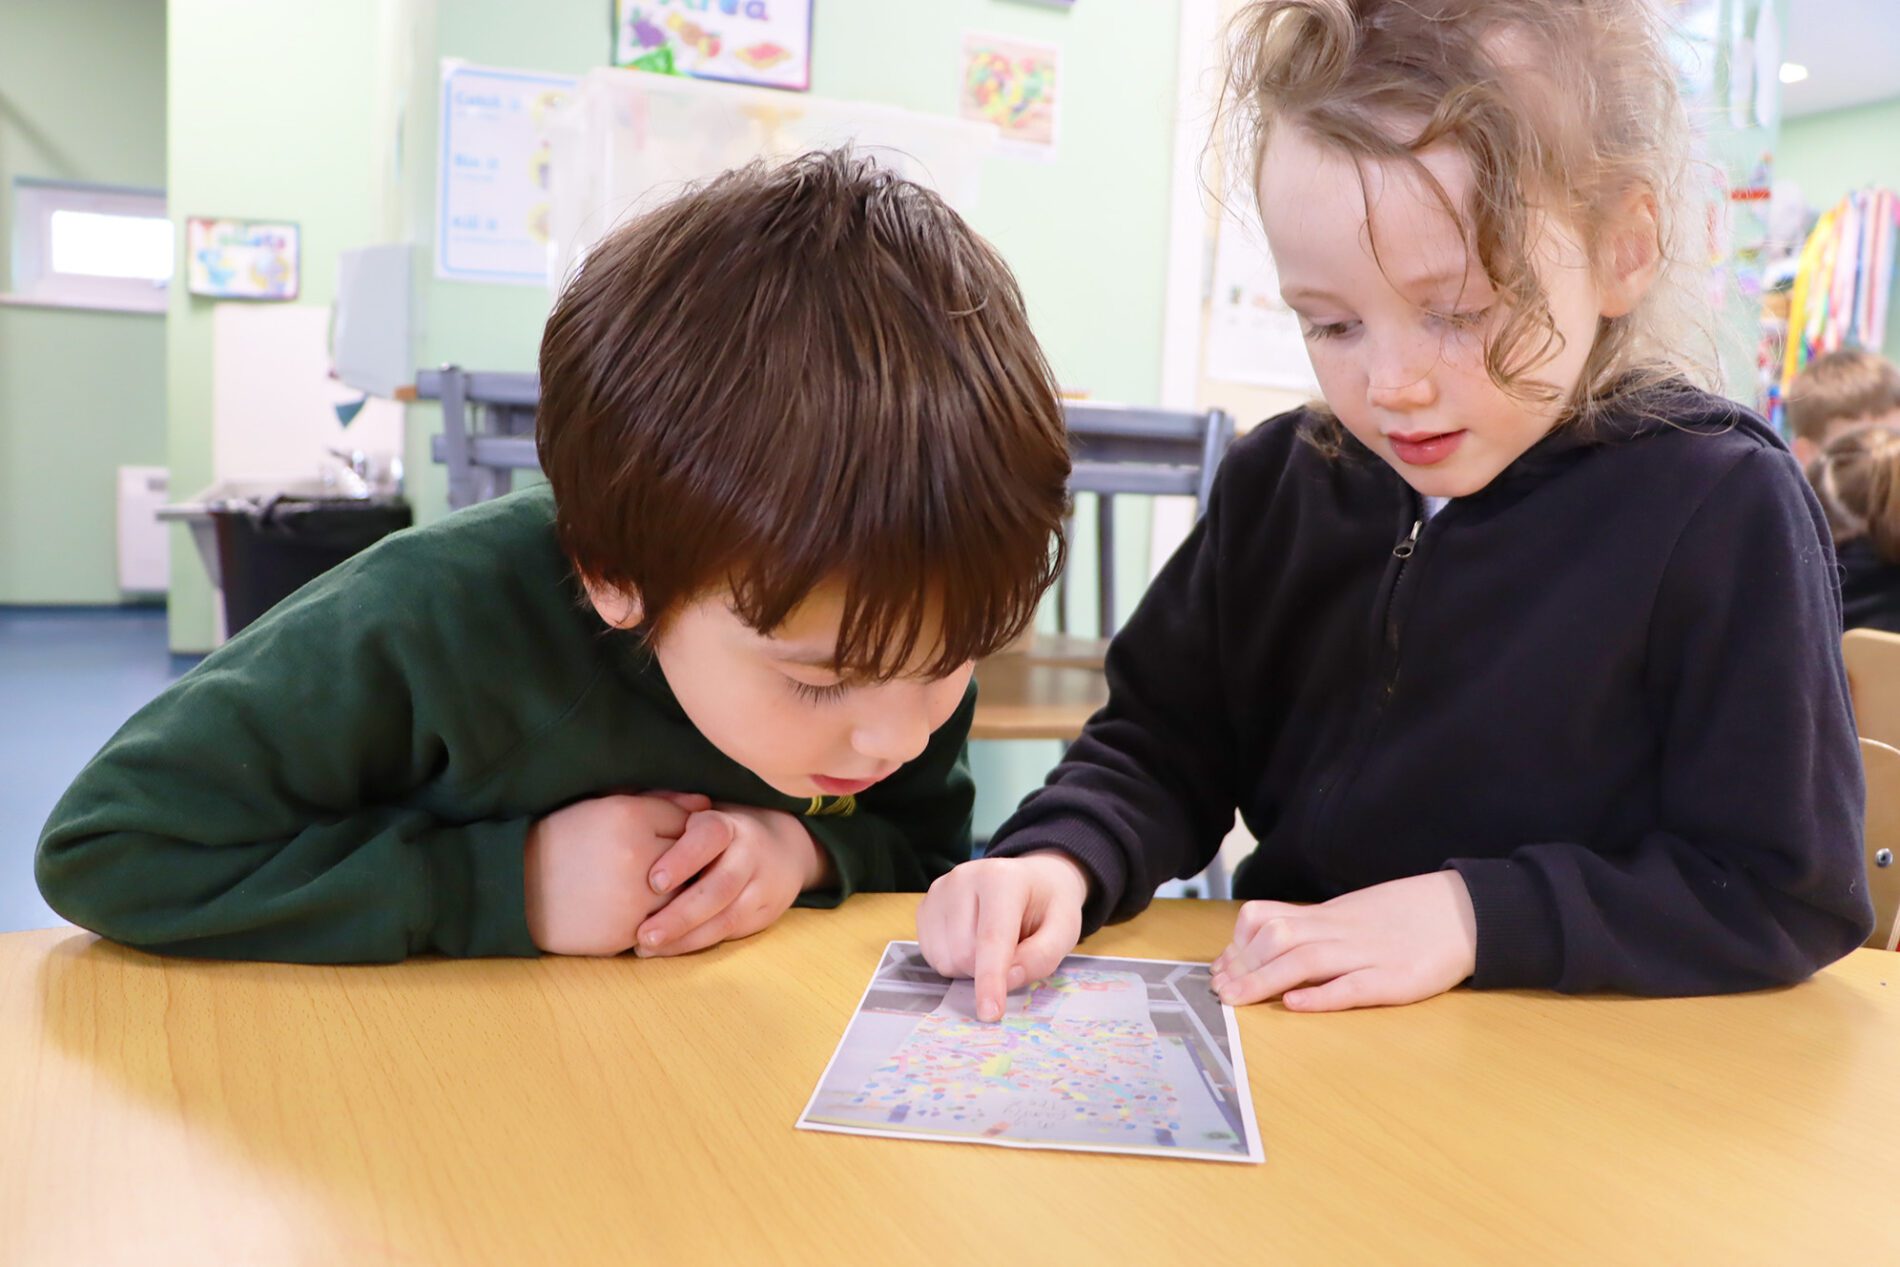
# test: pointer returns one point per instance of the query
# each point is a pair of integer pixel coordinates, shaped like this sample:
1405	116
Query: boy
805	463
1837	393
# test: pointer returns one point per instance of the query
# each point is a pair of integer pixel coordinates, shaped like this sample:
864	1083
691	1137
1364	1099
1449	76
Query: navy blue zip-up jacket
1607	689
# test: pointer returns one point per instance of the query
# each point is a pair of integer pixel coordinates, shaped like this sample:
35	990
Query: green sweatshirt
352	778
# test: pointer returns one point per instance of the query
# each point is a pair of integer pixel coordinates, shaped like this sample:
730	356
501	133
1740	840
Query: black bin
268	551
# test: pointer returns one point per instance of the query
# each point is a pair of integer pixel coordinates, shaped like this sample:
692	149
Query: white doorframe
1197	89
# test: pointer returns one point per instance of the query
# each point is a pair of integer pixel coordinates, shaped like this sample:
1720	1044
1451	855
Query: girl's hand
1003	921
1393	943
735	869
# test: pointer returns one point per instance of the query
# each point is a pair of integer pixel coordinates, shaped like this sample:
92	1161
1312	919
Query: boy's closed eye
820	692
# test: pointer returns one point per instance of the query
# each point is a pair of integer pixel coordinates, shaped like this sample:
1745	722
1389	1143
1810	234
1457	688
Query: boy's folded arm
1146	792
373	887
909	829
256	810
1754	874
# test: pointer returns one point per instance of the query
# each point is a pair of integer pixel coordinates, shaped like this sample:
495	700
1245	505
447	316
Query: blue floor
68	678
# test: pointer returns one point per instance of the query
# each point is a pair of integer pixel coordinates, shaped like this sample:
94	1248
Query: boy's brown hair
806	373
1841	386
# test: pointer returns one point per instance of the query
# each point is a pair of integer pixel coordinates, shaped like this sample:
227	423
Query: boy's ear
617	607
1631	253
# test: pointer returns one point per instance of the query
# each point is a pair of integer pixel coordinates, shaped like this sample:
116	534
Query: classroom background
237	233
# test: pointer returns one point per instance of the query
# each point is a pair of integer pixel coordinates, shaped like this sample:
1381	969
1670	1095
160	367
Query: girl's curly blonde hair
1564	108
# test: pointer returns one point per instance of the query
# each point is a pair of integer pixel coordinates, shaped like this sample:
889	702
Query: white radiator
145	561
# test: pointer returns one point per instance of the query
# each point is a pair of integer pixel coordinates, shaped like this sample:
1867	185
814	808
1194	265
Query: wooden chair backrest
1882	764
1873	678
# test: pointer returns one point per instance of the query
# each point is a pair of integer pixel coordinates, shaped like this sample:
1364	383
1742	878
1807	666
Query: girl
1858	479
1518	654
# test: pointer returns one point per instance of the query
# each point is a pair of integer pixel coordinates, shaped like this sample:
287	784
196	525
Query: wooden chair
1882	764
1873	678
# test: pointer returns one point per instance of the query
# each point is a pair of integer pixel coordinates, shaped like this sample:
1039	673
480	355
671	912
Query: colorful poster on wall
241	259
492	176
1013	85
766	42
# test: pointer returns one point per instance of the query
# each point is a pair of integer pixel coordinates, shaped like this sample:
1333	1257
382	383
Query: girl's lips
1426	449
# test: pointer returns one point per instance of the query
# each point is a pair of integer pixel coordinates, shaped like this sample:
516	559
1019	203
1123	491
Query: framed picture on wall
1012	83
765	42
242	259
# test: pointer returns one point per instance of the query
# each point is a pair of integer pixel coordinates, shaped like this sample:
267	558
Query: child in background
1519	655
1858	479
805	463
1837	392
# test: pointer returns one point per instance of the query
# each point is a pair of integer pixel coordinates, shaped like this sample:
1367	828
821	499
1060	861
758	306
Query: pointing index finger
999	922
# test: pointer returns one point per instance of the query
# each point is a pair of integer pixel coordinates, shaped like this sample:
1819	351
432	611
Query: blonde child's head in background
1857	478
1476	208
1837	393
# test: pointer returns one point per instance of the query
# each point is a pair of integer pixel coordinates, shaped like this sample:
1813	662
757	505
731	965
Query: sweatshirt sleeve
1753	876
260	808
909	829
1147	791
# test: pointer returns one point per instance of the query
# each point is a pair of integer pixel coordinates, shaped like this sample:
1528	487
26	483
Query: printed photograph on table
1103	1055
766	42
1011	84
241	259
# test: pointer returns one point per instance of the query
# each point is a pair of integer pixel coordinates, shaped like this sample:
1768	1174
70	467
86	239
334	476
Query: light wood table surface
569	1111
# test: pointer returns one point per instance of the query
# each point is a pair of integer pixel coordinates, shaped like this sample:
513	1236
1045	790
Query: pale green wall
272	115
82	98
338	130
1831	153
1086	235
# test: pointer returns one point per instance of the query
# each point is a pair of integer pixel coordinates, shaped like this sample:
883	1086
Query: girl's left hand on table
1393	943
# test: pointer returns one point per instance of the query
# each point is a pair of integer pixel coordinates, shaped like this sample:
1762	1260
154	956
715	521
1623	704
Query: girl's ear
619	608
1631	254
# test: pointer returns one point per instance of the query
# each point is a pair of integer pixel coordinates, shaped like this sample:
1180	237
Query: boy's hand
1392	943
1003	921
586	869
746	867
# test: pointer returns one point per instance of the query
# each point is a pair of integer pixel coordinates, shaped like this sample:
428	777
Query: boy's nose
896	725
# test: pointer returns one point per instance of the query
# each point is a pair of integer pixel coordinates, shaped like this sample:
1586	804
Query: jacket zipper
1380	691
1403	552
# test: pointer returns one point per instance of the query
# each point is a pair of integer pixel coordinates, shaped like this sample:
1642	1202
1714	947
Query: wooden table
575	1111
1022	697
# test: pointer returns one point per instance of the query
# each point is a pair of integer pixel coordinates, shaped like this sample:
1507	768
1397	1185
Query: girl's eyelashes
1327	329
1467	320
1470	319
819	694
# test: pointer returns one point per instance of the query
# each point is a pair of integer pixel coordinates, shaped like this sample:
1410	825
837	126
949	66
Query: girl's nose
1420	393
1401	376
